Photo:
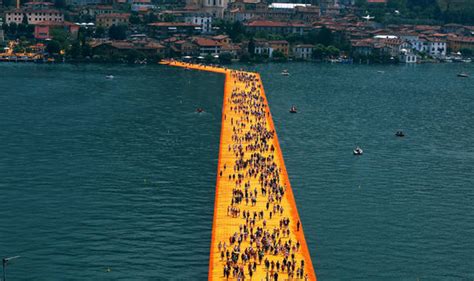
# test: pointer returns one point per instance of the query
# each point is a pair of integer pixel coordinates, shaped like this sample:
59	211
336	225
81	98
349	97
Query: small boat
293	109
199	110
463	75
109	77
400	134
285	72
358	151
380	71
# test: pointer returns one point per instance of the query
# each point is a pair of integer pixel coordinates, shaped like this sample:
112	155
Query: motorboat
109	76
199	110
285	72
293	109
400	134
358	151
463	75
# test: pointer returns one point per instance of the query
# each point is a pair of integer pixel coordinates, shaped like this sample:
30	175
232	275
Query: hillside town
144	31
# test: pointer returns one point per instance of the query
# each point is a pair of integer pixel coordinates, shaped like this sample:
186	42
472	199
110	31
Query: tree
325	36
225	58
319	51
251	46
118	32
24	20
5	28
99	32
13	28
332	51
208	58
279	55
75	50
134	19
169	18
134	55
53	47
86	50
467	52
60	4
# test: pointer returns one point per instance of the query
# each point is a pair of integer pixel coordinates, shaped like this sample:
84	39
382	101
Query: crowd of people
262	245
263	242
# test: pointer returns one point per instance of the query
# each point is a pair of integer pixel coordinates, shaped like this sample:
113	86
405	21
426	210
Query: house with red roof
43	29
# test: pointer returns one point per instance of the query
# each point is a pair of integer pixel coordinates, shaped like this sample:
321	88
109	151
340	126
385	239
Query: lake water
114	179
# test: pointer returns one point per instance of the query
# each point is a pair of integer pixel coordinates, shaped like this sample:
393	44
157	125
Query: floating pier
257	233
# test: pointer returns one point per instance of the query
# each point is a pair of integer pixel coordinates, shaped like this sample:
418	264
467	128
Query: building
167	29
267	48
457	44
303	52
277	27
263	48
33	16
86	2
107	20
43	29
203	20
214	7
281	46
407	56
208	46
123	47
437	47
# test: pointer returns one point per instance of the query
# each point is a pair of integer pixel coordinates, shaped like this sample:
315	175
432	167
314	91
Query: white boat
285	73
463	75
358	151
109	77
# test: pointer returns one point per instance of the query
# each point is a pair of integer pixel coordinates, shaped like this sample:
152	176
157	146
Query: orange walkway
225	225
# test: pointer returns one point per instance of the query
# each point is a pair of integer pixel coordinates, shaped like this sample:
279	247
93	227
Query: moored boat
358	151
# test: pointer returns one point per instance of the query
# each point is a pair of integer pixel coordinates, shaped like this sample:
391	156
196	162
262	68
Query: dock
257	233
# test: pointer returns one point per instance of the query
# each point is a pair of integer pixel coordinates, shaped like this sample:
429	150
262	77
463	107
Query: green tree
134	19
319	51
225	58
60	4
325	36
118	32
332	51
86	50
6	28
251	46
53	47
467	52
169	18
75	50
133	55
279	56
208	58
99	32
13	28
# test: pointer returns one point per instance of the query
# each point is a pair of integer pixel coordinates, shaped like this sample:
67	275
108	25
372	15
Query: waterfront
403	210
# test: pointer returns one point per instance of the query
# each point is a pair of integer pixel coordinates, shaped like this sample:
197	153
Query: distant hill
455	5
427	11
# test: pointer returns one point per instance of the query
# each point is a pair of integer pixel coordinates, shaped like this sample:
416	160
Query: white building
407	56
303	51
437	47
203	20
33	16
214	7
